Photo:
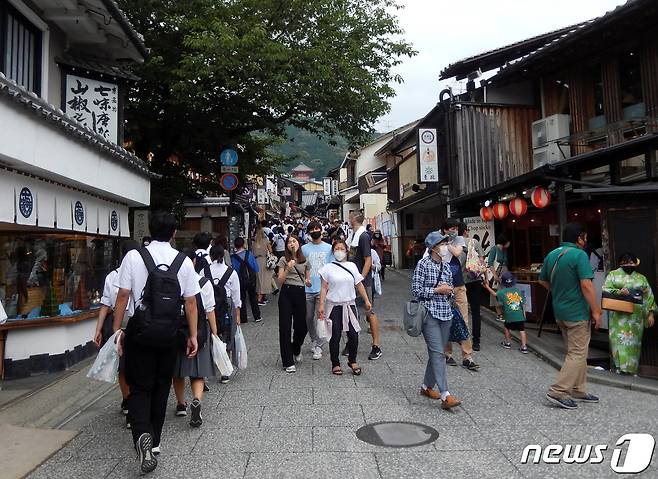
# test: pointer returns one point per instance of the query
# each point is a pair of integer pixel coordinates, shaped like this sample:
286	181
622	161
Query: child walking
510	305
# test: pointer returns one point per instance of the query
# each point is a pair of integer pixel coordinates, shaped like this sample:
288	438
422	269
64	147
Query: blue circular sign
229	181
229	157
79	213
26	202
114	220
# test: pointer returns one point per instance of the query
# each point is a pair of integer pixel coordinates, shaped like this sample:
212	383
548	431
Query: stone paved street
267	423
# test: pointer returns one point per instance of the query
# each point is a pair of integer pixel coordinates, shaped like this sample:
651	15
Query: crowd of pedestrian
173	305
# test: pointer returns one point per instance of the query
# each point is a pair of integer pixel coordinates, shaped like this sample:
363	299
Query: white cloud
443	32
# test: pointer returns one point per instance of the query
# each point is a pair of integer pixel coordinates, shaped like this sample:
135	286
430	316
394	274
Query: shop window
53	275
631	85
598	120
20	49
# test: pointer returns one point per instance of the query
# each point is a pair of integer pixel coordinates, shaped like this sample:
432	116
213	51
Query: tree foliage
237	72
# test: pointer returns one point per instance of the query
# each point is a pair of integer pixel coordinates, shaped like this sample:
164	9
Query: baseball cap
508	279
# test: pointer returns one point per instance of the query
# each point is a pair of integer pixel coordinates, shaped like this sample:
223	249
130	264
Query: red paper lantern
540	197
518	207
500	211
486	213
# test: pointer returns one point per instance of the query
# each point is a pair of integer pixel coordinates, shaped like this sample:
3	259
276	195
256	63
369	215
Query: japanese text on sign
428	161
94	104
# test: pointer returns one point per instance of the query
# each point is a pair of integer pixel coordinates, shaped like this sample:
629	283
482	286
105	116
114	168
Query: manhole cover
397	434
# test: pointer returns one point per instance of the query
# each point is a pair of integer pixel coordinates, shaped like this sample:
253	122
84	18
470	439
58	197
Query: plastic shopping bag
220	357
240	349
324	329
378	283
106	366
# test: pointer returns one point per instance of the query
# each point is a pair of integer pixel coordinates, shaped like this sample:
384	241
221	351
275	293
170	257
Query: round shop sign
427	136
79	213
114	220
26	202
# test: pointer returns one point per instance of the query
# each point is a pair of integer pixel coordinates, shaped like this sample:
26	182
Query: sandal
337	371
355	370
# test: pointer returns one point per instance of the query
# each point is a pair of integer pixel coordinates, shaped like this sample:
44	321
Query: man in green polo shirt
567	273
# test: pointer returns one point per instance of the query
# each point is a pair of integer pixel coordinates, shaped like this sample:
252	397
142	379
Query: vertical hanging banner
326	183
428	159
94	104
261	194
334	187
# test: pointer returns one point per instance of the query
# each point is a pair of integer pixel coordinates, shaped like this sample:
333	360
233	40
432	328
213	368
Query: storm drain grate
397	434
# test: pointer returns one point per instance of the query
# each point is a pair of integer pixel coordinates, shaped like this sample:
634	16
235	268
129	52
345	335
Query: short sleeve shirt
297	274
341	283
317	255
359	254
569	304
512	302
207	296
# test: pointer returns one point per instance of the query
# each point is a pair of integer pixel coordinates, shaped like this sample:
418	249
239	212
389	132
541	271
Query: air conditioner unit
549	129
550	153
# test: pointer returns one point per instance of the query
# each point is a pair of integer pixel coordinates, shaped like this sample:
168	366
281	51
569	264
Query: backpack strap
202	281
177	263
343	267
148	259
227	275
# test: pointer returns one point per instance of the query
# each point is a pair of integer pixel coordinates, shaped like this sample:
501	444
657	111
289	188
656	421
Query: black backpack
247	275
221	299
201	324
157	321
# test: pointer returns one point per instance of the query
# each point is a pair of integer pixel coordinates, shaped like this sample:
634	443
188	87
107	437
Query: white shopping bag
106	366
220	357
240	349
324	329
378	284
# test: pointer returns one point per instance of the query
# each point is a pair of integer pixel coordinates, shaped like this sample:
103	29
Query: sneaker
147	461
156	450
524	349
591	398
430	393
450	361
317	353
506	345
565	403
298	358
375	354
128	425
225	379
470	365
449	402
181	410
476	345
500	318
258	320
205	387
275	292
291	369
345	351
262	303
124	407
195	409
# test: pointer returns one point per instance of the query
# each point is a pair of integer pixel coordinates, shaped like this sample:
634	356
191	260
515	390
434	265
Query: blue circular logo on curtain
114	221
26	202
79	213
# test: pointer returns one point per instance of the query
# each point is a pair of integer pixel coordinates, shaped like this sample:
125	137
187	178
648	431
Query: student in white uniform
200	366
228	316
149	368
202	243
106	318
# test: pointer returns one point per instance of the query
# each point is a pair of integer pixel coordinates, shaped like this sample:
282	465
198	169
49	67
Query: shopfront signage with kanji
428	160
26	202
94	104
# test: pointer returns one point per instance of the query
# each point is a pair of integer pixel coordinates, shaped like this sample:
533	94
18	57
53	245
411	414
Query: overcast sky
443	32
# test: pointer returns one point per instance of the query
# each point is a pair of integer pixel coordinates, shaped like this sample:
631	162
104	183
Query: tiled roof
57	117
117	71
135	37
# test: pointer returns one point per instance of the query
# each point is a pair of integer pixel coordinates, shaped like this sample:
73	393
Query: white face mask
443	251
340	255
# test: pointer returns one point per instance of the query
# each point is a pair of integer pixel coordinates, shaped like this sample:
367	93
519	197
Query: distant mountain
315	152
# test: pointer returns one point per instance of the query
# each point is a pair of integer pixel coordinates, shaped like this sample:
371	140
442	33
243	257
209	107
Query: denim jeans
436	334
312	301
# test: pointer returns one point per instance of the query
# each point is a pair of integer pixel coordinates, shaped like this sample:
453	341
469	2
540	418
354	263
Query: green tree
237	72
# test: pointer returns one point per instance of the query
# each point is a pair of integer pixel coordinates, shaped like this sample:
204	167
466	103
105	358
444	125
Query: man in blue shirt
317	253
246	266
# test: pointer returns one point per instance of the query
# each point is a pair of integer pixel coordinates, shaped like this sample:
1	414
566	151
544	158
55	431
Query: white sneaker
317	353
291	369
298	358
156	451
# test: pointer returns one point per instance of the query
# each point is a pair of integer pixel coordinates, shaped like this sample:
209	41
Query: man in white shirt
279	242
149	369
202	243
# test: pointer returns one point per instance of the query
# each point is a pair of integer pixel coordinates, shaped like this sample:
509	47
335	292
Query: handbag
458	328
414	316
474	263
619	303
271	261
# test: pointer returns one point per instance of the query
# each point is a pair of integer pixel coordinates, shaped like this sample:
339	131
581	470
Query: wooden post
561	206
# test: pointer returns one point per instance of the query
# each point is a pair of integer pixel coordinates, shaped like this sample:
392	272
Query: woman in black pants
340	279
294	275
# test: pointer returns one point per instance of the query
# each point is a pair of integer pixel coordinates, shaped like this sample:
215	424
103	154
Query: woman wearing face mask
626	329
339	279
431	284
294	275
378	243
